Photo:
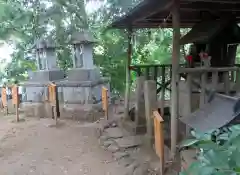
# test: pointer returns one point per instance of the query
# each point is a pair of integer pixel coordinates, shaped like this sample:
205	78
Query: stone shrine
84	81
47	71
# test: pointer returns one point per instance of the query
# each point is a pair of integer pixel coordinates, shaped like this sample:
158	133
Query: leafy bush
219	152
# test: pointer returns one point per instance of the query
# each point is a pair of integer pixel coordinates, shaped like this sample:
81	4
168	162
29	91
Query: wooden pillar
203	89
238	80
175	66
150	97
226	83
188	99
215	80
128	76
163	91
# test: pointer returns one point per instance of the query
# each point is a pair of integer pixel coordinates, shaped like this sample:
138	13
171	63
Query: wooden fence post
4	100
15	100
159	139
105	102
53	99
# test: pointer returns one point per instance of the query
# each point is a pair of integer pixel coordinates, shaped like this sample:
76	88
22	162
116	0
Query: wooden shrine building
214	28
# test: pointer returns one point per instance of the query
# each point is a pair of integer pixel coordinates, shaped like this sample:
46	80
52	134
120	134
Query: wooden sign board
105	101
4	97
159	137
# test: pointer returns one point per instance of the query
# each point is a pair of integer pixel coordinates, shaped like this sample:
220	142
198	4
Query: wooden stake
175	66
105	102
128	76
15	100
159	139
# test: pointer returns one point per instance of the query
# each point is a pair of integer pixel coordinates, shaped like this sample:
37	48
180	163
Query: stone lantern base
82	90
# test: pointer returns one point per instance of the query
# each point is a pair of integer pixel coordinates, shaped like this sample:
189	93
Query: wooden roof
206	31
152	13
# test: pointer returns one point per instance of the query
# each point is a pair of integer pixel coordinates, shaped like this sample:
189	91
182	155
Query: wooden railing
208	80
161	73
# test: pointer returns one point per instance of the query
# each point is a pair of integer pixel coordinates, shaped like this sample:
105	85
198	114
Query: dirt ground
34	147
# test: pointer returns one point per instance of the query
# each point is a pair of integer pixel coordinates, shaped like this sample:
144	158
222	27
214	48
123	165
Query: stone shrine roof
82	37
44	44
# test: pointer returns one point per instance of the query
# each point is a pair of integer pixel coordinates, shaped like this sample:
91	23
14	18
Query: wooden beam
175	66
206	69
215	1
154	7
209	6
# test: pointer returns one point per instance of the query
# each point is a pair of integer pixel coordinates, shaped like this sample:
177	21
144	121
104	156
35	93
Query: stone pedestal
150	96
81	90
36	91
83	86
36	86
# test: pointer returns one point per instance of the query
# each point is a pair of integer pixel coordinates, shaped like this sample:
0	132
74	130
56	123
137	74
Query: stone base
34	109
131	127
83	92
47	75
81	112
82	74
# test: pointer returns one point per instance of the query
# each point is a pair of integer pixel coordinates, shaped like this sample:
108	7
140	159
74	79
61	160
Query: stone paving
118	142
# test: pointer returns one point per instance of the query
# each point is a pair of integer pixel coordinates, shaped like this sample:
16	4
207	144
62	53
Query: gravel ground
34	147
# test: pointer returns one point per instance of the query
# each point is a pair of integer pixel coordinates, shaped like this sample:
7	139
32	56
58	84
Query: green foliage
25	21
219	152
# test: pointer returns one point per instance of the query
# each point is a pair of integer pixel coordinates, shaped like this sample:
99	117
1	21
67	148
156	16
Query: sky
6	50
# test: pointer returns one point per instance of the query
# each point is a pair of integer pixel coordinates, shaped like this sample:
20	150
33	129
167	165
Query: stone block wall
83	95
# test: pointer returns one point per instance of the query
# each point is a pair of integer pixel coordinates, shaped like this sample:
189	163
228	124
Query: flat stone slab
107	143
114	132
126	161
129	142
119	155
113	148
